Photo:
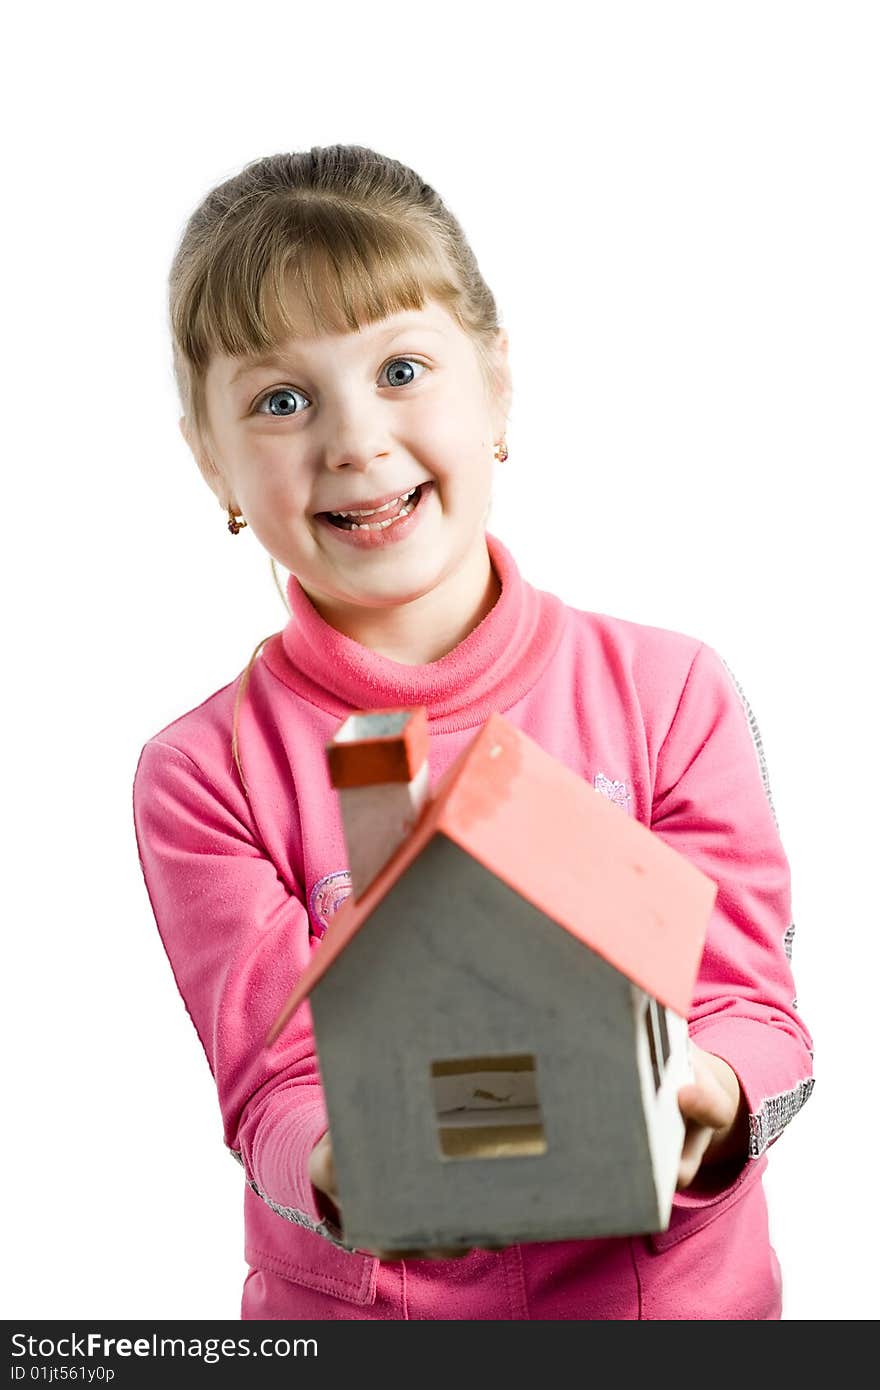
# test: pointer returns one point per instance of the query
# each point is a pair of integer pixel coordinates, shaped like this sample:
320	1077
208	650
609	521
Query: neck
427	627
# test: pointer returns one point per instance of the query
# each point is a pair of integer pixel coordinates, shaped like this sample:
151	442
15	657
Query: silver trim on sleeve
327	1229
755	732
756	737
774	1115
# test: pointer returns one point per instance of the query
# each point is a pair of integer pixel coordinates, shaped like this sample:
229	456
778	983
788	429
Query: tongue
394	510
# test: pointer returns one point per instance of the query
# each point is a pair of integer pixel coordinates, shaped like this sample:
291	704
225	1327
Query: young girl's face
342	422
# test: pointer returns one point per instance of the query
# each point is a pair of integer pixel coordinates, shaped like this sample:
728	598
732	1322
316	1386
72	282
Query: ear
207	467
502	381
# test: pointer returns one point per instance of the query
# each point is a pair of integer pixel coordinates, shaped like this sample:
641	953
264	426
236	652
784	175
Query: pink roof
564	847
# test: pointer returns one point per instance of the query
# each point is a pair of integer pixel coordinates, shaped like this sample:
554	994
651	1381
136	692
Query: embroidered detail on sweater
618	792
326	898
775	1114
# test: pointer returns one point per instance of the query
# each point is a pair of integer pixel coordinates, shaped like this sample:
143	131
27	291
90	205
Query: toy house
500	1006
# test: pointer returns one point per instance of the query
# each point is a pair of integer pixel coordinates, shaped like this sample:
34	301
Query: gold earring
234	524
503	454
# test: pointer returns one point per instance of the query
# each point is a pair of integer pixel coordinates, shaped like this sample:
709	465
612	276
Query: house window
487	1107
658	1039
664	1033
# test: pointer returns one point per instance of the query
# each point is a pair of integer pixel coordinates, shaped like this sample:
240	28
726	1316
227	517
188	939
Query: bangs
311	267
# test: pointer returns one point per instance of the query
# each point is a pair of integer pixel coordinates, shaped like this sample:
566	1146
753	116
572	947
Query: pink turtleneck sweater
243	884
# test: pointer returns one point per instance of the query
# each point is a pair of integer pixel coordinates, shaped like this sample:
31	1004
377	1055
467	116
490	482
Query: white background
676	206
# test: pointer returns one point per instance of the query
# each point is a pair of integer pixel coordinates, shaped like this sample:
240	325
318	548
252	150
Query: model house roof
582	861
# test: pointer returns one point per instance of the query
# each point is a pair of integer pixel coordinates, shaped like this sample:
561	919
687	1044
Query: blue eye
280	391
398	368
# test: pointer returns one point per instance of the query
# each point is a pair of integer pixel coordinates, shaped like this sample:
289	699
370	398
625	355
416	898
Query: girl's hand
716	1117
322	1175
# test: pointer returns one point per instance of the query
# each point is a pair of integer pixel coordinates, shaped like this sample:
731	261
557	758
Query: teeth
381	525
374	511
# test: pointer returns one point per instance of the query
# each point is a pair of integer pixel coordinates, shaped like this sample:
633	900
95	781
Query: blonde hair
351	235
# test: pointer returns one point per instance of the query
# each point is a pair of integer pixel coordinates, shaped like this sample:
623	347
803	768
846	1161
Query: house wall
453	963
664	1122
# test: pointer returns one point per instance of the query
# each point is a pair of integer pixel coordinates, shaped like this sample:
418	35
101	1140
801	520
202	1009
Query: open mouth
380	520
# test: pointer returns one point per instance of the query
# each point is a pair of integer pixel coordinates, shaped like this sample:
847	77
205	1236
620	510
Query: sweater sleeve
712	804
235	937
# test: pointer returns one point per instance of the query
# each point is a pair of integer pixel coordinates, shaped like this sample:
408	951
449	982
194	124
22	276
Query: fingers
322	1169
715	1078
696	1141
705	1104
715	1113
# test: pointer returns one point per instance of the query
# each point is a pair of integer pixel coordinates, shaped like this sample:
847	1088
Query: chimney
378	764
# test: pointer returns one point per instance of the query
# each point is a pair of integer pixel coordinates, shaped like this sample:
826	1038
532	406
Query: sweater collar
487	672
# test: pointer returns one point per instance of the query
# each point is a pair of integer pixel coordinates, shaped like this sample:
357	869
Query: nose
354	437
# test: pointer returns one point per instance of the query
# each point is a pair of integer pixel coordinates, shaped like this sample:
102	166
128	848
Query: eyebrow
272	359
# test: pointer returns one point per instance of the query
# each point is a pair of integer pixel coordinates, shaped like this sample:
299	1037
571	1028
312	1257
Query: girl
345	390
